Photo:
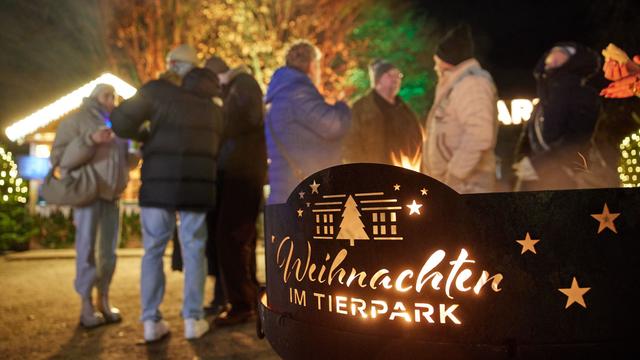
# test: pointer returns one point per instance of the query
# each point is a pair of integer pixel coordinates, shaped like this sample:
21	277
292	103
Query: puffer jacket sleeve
474	101
71	148
330	122
128	117
556	114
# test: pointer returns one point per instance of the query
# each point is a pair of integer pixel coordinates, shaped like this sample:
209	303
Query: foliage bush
130	230
56	231
17	227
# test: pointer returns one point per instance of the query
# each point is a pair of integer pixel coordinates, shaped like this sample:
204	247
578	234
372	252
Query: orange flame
407	161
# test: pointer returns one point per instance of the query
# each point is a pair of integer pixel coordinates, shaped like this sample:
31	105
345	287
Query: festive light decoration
629	166
521	110
12	188
64	105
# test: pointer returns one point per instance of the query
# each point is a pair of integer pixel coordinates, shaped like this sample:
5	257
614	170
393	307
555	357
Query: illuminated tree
257	32
141	33
401	38
13	190
629	166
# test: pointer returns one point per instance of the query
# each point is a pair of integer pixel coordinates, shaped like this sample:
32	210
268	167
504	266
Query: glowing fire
407	162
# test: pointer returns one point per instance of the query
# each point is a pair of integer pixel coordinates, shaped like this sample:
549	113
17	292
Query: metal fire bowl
294	339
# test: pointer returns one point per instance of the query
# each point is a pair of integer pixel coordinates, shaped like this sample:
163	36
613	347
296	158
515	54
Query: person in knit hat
562	123
383	127
462	123
180	60
84	144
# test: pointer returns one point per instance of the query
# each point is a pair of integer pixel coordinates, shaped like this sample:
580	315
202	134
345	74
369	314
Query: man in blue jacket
304	133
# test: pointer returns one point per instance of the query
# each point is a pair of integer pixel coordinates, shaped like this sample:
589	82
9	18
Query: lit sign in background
373	255
33	167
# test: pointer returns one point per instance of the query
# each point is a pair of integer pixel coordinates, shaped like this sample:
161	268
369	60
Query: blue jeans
96	241
157	228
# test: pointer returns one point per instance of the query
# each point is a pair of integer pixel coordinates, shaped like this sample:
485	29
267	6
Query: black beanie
456	46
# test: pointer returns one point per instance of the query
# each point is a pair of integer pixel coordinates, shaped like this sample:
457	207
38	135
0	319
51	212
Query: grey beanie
100	89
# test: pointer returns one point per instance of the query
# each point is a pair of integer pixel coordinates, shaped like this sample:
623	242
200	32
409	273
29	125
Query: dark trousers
235	239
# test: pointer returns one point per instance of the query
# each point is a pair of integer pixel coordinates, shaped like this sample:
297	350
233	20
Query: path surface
39	313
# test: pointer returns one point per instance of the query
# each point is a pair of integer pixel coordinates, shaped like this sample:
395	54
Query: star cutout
527	244
606	219
300	211
396	187
423	191
414	208
301	193
314	187
575	293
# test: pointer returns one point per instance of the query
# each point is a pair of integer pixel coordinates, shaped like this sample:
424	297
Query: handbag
78	188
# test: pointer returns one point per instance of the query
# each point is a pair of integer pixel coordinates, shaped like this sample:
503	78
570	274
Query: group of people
204	166
210	140
306	134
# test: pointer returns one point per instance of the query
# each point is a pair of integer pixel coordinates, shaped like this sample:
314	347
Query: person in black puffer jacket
563	121
241	173
179	153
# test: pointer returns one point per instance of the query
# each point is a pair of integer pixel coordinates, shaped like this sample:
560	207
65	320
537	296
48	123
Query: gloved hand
524	170
624	88
612	52
617	64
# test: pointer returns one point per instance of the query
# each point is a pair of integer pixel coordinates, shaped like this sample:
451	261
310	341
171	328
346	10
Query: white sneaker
155	330
194	328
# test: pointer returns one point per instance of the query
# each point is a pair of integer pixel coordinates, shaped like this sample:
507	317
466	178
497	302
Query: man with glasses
384	128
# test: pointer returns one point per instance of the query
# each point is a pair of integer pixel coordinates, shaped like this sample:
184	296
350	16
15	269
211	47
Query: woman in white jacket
84	139
462	123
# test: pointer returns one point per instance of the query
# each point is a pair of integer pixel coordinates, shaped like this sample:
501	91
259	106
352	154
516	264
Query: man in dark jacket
304	133
563	121
242	170
179	155
384	128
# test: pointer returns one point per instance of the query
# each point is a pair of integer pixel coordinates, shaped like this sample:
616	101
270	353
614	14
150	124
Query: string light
64	105
11	188
627	169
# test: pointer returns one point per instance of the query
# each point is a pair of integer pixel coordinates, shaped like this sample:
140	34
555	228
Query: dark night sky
512	35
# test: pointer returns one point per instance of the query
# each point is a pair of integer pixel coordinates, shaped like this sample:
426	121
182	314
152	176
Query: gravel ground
39	313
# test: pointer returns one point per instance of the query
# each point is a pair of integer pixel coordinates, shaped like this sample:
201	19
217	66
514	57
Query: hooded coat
304	133
462	129
563	121
180	150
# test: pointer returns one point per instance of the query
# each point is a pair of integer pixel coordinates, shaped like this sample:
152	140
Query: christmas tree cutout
351	227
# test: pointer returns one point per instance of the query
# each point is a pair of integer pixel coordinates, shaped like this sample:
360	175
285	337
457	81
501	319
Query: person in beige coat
462	124
84	139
